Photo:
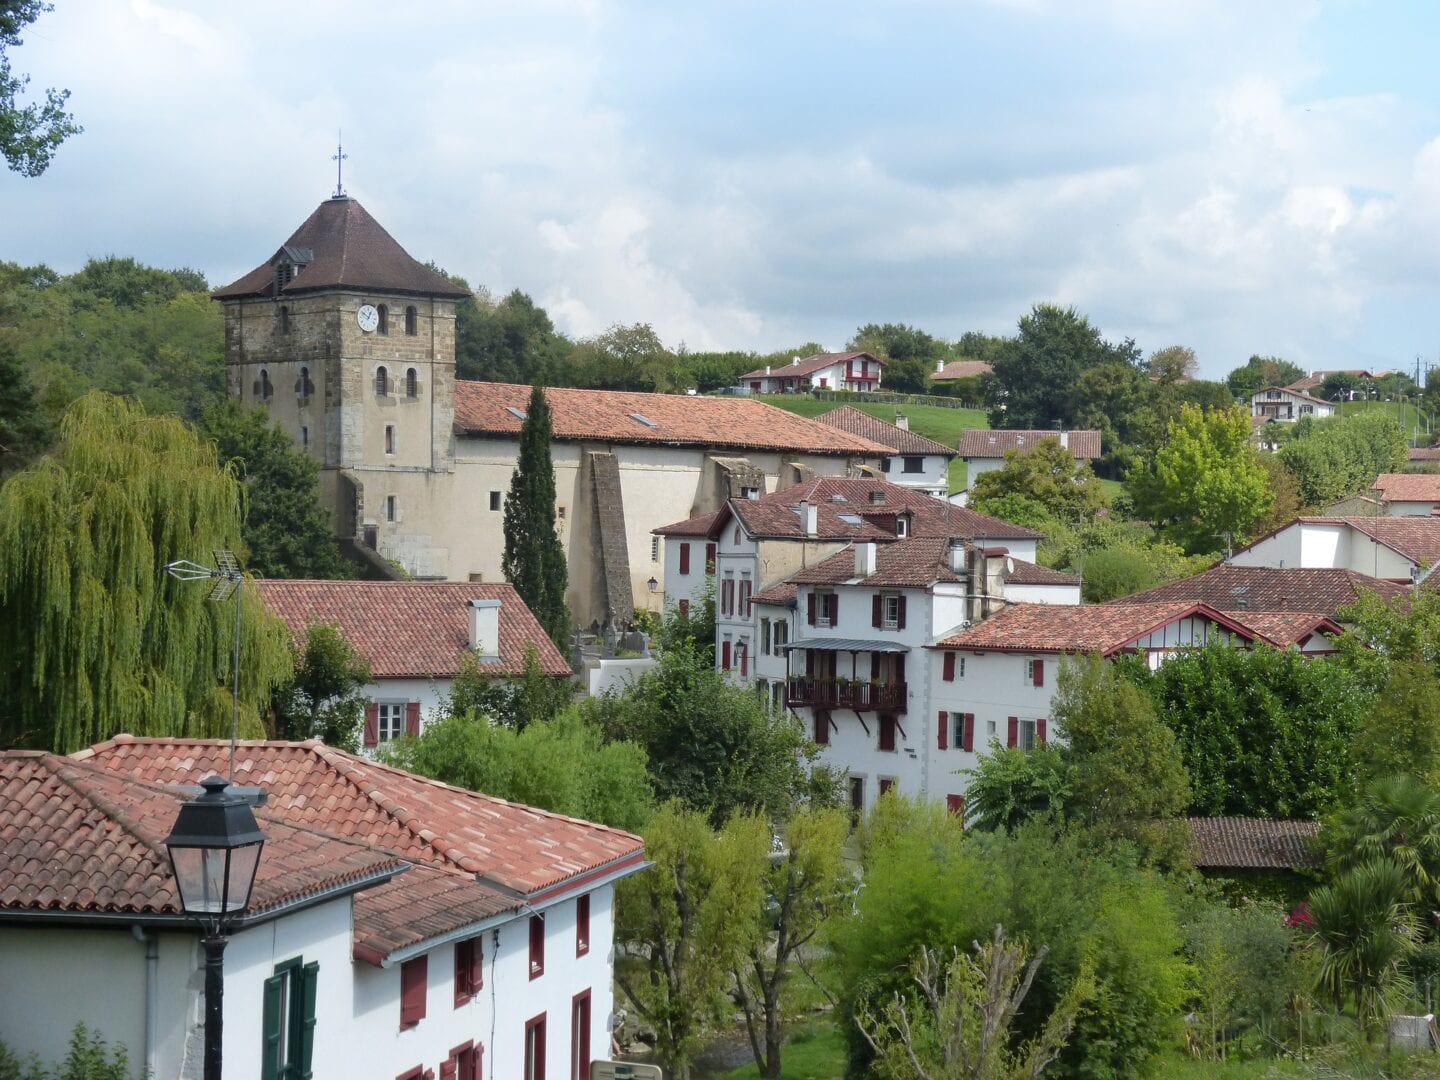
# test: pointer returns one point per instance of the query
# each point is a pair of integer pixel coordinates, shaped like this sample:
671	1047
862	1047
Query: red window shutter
1039	732
372	724
1013	736
887	733
414	974
477	965
877	605
412	718
745	598
955	804
949	670
582	925
832	605
725	656
684	558
684	609
810	608
969	746
942	731
900	615
822	727
447	1069
709	558
1037	667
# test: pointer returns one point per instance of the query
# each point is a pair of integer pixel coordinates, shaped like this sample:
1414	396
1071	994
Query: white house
917	462
413	634
398	928
1392	548
1408	494
1287	404
822	371
984	449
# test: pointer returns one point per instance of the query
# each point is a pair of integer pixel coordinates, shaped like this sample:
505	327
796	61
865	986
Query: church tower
349	342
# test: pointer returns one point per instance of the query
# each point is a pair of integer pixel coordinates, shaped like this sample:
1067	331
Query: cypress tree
95	638
534	561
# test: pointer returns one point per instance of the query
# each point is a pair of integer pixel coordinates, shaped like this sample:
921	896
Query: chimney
958	562
809	518
902	421
1065	440
485	628
864	558
794	360
767	369
939	366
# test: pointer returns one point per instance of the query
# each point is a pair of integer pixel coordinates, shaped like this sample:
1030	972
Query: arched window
412	321
303	386
284	320
384	325
382	382
266	388
412	384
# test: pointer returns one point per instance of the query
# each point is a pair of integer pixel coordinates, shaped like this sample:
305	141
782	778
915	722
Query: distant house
822	371
960	369
1253	856
1317	378
1285	404
1423	454
1392	548
917	461
413	635
1229	587
984	449
398	927
1408	494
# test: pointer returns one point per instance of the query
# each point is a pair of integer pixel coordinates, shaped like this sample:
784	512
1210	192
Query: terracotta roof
1416	538
1315	378
1286	628
780	595
424	903
1292	392
962	369
349	249
1269	588
851	419
704	525
1423	453
878	502
985	443
1020	572
1236	843
414	629
778	518
912	563
75	838
314	786
619	416
809	365
1080	628
1408	487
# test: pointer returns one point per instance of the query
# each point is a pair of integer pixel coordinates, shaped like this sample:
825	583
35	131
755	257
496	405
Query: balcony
846	694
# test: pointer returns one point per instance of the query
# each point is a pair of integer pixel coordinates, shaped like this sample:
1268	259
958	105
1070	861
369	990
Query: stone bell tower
349	342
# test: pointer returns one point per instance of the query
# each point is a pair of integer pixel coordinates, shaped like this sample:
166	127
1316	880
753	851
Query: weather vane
339	158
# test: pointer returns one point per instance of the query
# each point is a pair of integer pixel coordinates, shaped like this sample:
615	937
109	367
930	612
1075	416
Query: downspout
152	995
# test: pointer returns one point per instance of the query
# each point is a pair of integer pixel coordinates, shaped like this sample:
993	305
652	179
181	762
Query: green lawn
933	421
812	1052
1407	414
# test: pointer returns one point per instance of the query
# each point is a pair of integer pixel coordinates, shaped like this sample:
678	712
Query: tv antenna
228	576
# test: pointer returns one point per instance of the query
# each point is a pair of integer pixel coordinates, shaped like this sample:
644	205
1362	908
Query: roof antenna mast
339	158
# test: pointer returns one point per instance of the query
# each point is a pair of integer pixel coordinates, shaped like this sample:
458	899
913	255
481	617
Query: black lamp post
215	851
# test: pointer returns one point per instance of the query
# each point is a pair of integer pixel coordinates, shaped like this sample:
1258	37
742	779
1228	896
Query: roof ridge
68	772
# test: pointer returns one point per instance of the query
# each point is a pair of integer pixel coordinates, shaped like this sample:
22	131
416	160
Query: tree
1285	502
507	340
908	376
1261	371
1204	488
534	561
25	430
1384	631
1367	931
807	884
1339	386
1401	734
896	341
960	1028
95	638
534	697
623	358
286	532
1173	364
1048	474
563	765
1010	786
29	134
323	699
1396	818
1340	456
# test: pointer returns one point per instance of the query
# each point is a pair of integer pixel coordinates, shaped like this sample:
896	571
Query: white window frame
389	709
902	527
780	636
1025	734
823	620
889	611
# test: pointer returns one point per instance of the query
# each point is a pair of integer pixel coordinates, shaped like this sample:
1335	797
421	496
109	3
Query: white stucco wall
1315	544
1042	594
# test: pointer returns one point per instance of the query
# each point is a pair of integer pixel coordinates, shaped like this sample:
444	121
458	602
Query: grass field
933	421
1411	419
813	1052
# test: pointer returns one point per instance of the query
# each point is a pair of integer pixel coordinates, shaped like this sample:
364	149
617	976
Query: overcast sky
1256	176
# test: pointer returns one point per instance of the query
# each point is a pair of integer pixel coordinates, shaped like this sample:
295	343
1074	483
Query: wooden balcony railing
846	694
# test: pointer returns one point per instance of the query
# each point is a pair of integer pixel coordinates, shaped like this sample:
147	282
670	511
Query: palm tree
1397	818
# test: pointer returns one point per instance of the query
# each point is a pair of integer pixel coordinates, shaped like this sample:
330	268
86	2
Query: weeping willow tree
95	637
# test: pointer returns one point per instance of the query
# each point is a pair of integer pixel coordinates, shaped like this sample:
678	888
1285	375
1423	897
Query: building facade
857	371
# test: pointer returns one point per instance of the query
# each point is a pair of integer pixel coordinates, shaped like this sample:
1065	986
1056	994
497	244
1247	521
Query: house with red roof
1390	548
820	371
398	927
1287	404
1408	494
414	635
916	462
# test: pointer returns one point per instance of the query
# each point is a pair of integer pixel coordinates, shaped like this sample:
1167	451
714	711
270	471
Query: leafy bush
88	1058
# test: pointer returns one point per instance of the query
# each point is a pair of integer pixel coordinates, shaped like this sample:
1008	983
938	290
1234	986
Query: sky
1238	177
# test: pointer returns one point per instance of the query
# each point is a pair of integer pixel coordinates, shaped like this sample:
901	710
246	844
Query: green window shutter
307	1021
270	1053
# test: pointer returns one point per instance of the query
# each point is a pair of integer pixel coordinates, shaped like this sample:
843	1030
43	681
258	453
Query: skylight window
641	418
851	519
519	414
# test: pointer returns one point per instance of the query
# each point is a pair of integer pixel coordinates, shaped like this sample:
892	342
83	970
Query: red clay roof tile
808	365
848	418
1269	588
986	443
962	369
1236	843
1408	487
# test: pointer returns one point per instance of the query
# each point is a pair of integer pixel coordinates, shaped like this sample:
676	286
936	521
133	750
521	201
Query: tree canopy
29	134
323	699
1339	456
534	560
1048	475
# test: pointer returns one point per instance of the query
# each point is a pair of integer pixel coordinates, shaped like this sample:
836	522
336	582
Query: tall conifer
534	561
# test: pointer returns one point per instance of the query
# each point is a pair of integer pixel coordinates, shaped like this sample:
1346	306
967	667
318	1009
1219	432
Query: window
582	925
764	637
742	656
1306	409
580	1036
264	388
823	608
1034	672
412	321
750	493
304	436
303	386
464	1064
535	1048
709	558
887	783
391	717
736	538
390	441
965	730
382	382
288	1019
469	969
952	667
857	798
684	558
412	384
887	733
914	464
560	513
822	728
383	327
284	319
745	593
1026	734
902	527
781	635
684	609
955	804
494	500
725	653
727	593
892	612
390	508
537	946
654	549
885	464
414	977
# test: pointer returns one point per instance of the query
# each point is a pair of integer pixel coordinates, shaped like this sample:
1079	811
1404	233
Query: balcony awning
848	644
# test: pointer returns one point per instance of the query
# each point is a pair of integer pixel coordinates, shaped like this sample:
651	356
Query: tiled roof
424	903
414	629
618	416
809	365
1080	628
75	838
704	525
985	443
781	595
771	518
1269	588
1293	393
912	563
351	250
857	497
1408	487
962	369
1315	378
1285	628
1236	843
314	786
1423	453
848	418
1020	572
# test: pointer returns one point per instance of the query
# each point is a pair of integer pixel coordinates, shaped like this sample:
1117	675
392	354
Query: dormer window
412	321
902	527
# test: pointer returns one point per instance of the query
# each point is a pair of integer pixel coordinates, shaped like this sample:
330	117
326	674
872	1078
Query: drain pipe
152	995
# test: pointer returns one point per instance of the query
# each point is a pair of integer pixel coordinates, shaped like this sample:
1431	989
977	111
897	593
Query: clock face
367	317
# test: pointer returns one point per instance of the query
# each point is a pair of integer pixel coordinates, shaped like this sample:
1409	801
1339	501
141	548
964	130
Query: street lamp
214	851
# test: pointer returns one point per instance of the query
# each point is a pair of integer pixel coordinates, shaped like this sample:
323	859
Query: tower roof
347	248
